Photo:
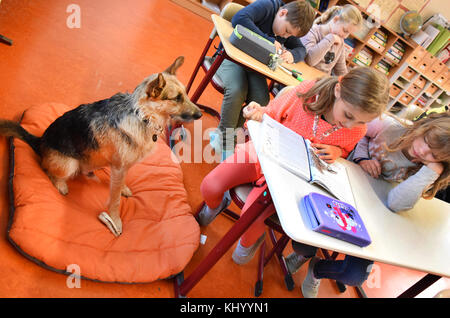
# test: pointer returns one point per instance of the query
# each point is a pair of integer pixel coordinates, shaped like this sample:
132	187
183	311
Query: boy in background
281	24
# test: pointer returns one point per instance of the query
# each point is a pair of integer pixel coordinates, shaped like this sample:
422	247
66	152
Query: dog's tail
9	128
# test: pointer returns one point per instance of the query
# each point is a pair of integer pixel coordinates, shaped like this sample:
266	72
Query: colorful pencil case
335	218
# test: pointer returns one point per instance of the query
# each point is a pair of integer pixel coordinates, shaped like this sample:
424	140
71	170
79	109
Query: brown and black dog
115	132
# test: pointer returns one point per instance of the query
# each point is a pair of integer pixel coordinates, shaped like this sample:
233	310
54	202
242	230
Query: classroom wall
437	6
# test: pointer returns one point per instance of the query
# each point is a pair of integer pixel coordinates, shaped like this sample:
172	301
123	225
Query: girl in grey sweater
324	43
416	155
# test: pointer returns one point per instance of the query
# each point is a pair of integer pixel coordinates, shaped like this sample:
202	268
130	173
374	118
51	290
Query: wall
437	6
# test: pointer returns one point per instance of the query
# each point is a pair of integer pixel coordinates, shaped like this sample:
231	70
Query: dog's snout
197	114
191	116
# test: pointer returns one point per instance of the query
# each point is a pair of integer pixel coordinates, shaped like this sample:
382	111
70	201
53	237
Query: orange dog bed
159	235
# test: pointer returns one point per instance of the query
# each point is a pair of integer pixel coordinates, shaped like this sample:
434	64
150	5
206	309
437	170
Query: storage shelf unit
376	44
422	80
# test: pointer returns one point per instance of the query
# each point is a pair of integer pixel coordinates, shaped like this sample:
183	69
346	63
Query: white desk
418	239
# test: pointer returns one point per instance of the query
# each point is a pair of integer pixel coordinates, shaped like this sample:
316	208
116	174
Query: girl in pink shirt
331	112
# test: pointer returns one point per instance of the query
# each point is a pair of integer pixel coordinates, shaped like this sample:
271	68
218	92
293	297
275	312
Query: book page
333	177
285	146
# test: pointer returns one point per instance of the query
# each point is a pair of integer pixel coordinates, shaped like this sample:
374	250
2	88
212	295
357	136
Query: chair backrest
227	13
410	112
284	90
230	10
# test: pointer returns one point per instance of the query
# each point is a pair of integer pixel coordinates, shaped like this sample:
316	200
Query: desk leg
420	286
261	203
208	76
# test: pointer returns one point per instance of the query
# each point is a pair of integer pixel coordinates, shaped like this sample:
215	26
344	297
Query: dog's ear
174	67
155	87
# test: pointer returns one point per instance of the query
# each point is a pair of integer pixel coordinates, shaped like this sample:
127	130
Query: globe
410	22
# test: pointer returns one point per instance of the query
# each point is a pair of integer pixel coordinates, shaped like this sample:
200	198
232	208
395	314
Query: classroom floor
117	45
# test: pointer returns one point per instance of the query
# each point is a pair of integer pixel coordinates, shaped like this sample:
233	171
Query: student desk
418	239
224	30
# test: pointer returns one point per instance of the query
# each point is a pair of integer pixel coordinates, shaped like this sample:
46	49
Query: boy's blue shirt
258	17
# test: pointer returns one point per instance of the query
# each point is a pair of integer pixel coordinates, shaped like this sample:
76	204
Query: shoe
294	262
242	255
207	215
310	286
215	140
226	154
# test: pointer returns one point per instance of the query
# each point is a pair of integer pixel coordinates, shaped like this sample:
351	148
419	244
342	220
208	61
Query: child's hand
372	167
287	57
436	167
278	47
327	153
253	111
336	39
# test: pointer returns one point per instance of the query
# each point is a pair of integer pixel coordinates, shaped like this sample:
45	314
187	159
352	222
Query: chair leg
5	40
259	280
279	248
219	59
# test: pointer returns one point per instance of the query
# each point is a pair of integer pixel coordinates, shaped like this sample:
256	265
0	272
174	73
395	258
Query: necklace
324	134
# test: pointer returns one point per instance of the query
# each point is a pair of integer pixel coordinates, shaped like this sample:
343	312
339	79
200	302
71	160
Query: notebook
294	153
334	218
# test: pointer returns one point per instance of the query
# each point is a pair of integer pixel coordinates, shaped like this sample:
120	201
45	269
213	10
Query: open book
294	153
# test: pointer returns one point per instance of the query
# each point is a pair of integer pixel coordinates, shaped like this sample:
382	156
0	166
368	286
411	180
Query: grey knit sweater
394	165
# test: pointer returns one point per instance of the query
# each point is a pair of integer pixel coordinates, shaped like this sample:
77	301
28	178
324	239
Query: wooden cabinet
413	84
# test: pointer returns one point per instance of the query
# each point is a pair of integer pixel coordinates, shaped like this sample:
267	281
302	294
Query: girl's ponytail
347	14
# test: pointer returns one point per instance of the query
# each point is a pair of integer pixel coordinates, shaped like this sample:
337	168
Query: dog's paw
115	226
126	192
63	188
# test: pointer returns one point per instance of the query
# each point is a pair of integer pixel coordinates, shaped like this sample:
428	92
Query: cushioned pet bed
159	235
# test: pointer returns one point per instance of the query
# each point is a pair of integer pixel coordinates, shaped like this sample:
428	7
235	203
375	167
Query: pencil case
334	218
253	44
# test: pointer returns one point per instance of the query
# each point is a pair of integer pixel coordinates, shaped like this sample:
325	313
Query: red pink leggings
227	175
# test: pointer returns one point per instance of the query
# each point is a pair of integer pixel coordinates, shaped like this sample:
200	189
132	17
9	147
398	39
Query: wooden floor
117	45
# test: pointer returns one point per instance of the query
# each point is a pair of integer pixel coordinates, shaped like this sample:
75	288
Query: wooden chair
204	61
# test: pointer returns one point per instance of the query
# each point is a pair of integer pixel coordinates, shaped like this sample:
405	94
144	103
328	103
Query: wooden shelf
377	53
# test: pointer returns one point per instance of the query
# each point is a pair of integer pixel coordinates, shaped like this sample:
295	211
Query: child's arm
316	49
405	195
252	14
296	48
362	148
340	68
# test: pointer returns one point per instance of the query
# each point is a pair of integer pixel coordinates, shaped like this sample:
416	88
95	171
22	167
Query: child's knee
212	188
236	91
359	269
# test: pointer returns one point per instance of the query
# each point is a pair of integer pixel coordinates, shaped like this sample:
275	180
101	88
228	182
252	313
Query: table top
224	30
418	238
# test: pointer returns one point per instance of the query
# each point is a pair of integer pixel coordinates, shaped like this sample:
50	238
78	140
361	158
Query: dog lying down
116	132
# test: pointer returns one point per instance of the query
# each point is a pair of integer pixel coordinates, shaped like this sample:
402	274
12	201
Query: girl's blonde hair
435	129
362	87
347	14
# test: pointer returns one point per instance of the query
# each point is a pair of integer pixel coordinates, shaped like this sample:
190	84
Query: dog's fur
116	132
